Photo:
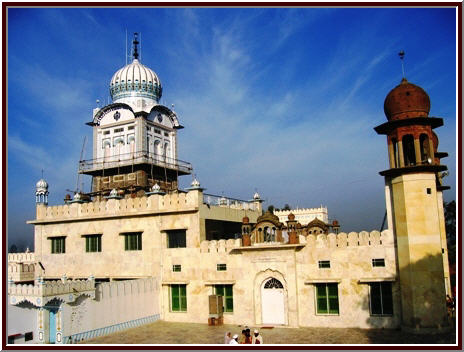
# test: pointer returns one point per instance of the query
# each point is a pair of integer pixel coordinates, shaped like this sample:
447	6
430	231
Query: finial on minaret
135	42
401	55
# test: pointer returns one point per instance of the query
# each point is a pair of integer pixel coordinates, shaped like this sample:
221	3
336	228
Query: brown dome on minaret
406	100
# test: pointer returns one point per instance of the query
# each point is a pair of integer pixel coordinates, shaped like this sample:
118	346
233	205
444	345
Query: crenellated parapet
42	292
220	246
301	211
21	271
352	239
26	257
331	241
156	203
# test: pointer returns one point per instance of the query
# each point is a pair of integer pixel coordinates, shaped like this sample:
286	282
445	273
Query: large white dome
135	80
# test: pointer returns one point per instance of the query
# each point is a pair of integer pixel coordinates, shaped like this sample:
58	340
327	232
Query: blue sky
279	100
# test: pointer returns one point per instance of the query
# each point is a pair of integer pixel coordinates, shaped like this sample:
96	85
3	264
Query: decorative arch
119	140
261	279
169	113
424	147
409	152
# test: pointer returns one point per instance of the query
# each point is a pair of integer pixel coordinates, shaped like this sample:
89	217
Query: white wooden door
272	298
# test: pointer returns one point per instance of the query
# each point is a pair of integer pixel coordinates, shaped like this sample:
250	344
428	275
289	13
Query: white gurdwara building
137	248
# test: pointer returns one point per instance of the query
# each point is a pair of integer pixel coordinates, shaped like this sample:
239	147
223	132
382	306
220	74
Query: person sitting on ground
227	337
257	339
242	337
248	339
234	340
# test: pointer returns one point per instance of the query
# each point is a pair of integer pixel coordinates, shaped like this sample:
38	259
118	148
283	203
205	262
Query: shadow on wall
424	306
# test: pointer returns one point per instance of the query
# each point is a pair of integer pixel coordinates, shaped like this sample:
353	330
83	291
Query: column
431	150
391	155
417	149
400	152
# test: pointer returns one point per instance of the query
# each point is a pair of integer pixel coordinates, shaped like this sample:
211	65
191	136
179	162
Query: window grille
273	283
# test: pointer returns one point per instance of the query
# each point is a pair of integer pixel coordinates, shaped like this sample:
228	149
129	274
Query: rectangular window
327	298
133	241
378	262
106	132
58	244
324	264
118	130
93	243
28	336
177	238
227	296
178	298
221	267
166	134
381	299
130	127
157	131
177	268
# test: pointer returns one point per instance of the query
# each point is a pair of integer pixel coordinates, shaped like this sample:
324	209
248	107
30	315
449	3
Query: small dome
114	192
291	217
135	79
77	196
256	196
335	223
406	100
195	183
41	185
298	225
156	188
245	220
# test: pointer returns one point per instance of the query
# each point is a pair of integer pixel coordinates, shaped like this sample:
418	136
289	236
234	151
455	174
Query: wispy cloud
283	100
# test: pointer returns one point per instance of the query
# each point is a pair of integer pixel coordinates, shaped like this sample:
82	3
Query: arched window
119	146
396	156
107	150
157	147
408	150
424	148
132	146
165	150
273	283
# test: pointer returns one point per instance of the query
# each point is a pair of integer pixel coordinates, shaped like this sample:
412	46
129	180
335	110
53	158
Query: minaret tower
41	192
134	137
414	203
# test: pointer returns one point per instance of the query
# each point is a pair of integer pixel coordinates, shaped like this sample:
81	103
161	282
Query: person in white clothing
257	339
234	340
227	337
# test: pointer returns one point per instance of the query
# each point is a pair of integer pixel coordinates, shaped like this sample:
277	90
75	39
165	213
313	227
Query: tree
450	225
287	207
13	249
270	209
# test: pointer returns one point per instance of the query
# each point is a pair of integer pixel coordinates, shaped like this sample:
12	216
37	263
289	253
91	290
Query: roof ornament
195	185
401	55
155	189
135	42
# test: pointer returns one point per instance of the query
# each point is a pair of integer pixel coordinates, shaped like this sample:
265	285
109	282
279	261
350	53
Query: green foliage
450	225
287	207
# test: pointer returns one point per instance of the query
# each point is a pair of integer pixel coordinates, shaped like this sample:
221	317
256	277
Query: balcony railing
222	201
129	159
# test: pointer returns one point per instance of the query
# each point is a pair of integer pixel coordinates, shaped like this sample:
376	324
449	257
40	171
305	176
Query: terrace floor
162	332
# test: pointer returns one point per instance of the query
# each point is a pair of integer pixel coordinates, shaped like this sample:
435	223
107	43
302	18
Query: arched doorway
272	301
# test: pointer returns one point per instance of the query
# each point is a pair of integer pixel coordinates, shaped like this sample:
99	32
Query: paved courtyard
162	332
